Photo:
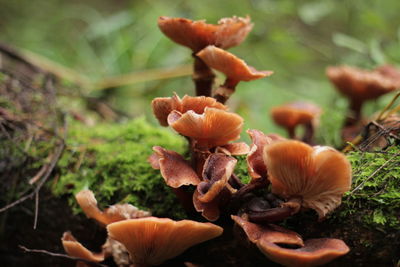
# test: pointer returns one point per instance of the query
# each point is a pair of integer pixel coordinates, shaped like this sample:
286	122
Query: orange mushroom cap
213	128
318	175
75	249
295	113
197	34
233	67
114	213
151	240
163	106
175	170
312	252
361	84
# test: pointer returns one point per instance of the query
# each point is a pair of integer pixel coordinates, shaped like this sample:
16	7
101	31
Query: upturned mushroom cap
361	84
163	106
312	252
317	175
114	213
233	67
255	161
175	170
75	249
197	34
213	128
292	114
151	240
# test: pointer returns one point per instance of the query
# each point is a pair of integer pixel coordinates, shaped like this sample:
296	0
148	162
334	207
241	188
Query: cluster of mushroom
135	238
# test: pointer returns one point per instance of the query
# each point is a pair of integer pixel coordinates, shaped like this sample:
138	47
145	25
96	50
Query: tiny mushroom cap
311	177
197	34
312	252
175	170
114	213
234	68
361	84
75	249
163	106
213	128
151	241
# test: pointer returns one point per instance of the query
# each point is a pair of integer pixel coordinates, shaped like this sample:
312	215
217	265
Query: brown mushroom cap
233	67
175	170
360	84
312	252
255	161
114	213
213	128
151	240
75	249
163	106
197	34
318	175
295	113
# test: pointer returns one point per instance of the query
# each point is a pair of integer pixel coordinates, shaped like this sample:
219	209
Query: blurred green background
296	39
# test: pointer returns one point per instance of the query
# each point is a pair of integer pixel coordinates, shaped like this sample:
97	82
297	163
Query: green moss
111	160
375	194
241	169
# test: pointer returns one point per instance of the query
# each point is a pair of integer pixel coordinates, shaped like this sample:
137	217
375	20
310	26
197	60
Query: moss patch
375	194
111	160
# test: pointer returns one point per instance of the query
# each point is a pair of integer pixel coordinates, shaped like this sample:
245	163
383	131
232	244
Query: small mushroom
75	249
151	241
197	35
163	106
359	86
297	113
309	177
215	127
114	213
270	239
235	70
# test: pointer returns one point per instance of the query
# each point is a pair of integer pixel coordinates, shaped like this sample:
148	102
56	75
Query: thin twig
41	251
375	172
36	210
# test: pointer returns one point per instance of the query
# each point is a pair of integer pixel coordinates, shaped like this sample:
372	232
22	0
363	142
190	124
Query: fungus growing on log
309	177
75	249
215	127
270	239
235	70
359	86
197	35
114	213
151	241
298	113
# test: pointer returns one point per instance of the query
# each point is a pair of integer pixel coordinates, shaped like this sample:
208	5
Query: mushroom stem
354	114
203	77
225	91
291	132
270	215
308	136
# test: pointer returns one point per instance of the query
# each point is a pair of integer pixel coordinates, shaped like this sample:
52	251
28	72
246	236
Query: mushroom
235	70
88	203
215	190
297	113
151	241
308	177
215	127
359	86
196	35
163	106
75	249
270	239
